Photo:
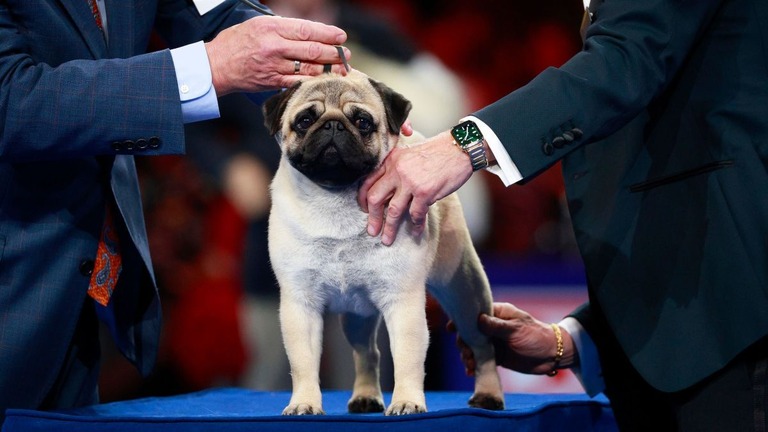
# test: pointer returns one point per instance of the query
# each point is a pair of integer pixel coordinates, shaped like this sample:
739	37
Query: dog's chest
320	251
350	275
345	271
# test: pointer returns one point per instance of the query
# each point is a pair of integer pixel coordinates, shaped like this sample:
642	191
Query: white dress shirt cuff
505	169
193	75
589	372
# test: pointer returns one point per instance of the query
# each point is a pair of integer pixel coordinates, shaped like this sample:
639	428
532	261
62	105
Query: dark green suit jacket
661	123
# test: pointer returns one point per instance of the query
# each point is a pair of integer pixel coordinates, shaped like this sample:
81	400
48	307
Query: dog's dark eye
364	125
304	122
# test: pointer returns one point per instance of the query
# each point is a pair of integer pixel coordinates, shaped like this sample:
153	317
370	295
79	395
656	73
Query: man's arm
57	101
632	52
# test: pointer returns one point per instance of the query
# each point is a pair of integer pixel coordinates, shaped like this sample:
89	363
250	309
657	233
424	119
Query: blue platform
233	409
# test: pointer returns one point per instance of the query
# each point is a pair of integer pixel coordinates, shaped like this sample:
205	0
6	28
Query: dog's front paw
404	408
365	404
303	409
486	401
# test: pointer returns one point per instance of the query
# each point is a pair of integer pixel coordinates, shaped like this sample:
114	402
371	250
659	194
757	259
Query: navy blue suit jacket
661	123
74	111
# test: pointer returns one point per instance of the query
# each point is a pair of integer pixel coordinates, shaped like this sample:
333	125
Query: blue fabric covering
235	410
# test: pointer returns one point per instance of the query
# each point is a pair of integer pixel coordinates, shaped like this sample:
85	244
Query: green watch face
466	133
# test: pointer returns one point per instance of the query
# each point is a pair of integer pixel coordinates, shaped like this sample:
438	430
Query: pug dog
333	131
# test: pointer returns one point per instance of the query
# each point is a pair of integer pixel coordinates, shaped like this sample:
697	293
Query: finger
406	129
363	192
462	345
418	214
306	71
376	210
469	366
314	55
378	191
450	326
506	311
337	65
304	30
375	219
394	217
467	357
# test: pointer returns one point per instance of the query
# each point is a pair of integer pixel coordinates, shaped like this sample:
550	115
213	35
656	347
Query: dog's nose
334	124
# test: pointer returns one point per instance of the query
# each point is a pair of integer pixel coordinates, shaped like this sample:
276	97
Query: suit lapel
119	19
82	17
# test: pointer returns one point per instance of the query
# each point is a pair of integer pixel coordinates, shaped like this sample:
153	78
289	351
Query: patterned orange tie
108	263
96	14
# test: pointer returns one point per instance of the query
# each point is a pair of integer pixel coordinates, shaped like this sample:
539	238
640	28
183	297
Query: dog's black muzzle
333	156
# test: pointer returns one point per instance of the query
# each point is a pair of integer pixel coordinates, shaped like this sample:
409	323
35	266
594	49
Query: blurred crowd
207	212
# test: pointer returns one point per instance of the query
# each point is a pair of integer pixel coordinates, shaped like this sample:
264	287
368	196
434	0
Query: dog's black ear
395	104
274	107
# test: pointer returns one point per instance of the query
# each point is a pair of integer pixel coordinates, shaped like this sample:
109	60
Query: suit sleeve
631	54
86	107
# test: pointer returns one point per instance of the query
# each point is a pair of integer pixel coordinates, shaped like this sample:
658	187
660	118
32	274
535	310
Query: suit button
154	142
141	143
568	136
129	145
577	133
117	146
558	142
548	149
86	267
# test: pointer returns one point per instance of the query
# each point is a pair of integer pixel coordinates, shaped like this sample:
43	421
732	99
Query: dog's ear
396	105
274	107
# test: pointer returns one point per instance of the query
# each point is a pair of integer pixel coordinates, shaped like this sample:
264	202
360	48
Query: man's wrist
197	94
570	356
468	137
489	154
503	167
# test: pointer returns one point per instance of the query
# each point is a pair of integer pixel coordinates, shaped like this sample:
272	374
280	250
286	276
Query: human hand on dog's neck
409	181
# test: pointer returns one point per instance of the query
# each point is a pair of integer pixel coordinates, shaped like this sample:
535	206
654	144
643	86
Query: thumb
492	326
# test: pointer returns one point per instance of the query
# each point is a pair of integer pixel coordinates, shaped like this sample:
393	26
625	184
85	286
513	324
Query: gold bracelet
558	351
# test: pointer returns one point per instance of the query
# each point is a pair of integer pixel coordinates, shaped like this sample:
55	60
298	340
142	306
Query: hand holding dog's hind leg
523	343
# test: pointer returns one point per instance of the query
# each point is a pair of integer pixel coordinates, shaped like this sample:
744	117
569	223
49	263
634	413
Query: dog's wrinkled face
336	130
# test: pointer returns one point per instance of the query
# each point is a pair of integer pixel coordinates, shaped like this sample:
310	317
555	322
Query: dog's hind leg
302	329
460	285
361	334
465	296
463	300
463	303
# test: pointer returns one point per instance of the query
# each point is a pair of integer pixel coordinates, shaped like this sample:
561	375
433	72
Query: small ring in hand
296	67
